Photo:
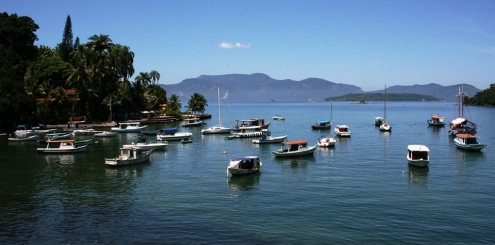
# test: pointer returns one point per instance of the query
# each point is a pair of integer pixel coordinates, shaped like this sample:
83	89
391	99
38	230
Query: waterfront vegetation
40	84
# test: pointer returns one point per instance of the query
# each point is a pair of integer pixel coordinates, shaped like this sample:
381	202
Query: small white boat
171	134
57	136
128	127
88	131
342	131
192	122
436	120
144	145
324	142
106	134
39	131
295	148
385	126
244	165
278	117
267	138
129	156
468	142
418	155
62	146
25	138
217	129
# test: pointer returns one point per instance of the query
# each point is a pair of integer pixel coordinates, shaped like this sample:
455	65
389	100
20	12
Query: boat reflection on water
244	182
296	162
325	151
64	159
418	176
132	171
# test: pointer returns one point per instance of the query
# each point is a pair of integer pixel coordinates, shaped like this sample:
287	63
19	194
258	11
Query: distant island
381	97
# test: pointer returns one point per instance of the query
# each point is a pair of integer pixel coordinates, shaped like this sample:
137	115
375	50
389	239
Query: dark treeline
39	84
485	97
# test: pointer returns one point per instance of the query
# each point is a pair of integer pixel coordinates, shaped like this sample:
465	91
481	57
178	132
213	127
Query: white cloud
228	45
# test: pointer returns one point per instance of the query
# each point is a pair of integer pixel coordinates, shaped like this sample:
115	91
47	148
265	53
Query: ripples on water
359	192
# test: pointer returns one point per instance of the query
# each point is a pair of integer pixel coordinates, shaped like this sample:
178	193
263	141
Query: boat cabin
342	128
294	145
247	162
130	153
168	131
418	152
323	123
124	125
468	139
251	122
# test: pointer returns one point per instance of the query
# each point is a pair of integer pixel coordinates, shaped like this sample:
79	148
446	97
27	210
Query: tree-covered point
485	97
381	97
45	85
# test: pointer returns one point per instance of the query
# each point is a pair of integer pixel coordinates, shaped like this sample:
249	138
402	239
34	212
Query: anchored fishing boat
295	148
244	165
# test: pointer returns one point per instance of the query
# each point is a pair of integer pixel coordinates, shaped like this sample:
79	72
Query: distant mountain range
260	87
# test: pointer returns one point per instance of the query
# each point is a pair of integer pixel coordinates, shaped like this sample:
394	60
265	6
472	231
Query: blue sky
358	42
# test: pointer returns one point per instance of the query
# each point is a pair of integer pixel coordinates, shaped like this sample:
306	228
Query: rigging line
226	108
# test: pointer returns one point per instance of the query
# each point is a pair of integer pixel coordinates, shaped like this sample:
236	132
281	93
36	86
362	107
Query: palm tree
197	103
155	77
100	43
174	106
122	60
143	79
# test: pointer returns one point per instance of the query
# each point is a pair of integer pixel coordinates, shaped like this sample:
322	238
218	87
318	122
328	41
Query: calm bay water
362	191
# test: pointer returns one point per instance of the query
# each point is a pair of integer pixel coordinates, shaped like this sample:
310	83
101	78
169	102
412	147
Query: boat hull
106	134
236	171
270	140
216	130
303	152
326	142
62	150
128	130
175	137
118	161
29	138
418	163
148	146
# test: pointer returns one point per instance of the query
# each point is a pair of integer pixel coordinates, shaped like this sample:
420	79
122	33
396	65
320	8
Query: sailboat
385	126
327	141
461	125
219	128
323	124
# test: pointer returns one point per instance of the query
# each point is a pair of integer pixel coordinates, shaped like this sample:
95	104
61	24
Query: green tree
17	51
173	106
154	77
67	45
197	103
485	97
154	97
122	60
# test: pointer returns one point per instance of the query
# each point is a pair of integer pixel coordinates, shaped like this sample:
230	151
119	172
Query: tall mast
219	117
